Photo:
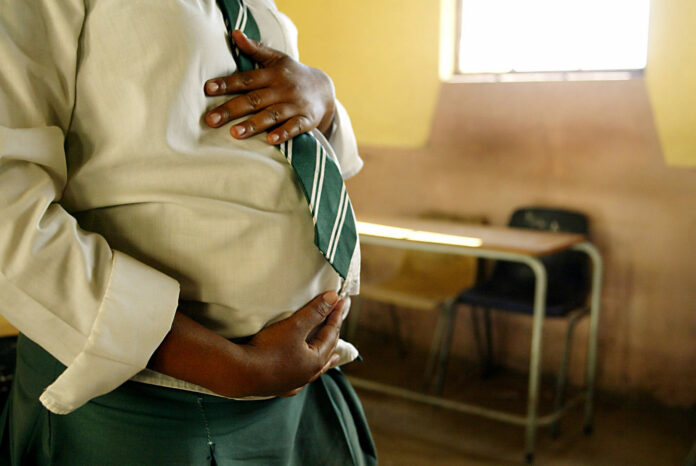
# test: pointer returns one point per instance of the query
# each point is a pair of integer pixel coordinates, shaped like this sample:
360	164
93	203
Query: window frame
528	76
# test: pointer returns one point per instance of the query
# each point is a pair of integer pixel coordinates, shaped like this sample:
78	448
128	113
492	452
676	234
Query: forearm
196	354
279	359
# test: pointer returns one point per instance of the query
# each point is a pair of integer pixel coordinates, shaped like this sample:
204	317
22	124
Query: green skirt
142	424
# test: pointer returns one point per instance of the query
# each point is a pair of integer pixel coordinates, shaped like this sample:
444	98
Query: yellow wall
671	78
382	56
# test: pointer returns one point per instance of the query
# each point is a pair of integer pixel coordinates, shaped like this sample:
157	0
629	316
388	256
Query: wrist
242	374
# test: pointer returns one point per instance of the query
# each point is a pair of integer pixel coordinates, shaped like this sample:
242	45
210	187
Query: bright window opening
531	36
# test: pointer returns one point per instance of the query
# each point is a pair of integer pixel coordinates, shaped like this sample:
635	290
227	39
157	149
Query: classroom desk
498	243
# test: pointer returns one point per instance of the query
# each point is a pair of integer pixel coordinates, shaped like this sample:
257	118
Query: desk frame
531	421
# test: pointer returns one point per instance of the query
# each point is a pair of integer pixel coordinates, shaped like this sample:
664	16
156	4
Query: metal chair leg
484	348
450	311
562	380
435	345
476	330
490	362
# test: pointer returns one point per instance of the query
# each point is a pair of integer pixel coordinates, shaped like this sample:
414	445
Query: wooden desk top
495	238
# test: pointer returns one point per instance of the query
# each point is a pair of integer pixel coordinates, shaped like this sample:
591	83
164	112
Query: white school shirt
116	199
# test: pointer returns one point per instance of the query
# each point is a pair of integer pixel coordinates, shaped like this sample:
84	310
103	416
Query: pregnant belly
245	267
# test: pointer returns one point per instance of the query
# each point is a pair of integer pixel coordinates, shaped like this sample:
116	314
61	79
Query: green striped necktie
334	224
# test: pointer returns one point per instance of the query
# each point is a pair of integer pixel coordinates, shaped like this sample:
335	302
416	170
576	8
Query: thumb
257	51
315	312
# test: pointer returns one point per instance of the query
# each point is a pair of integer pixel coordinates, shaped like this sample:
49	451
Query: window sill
552	76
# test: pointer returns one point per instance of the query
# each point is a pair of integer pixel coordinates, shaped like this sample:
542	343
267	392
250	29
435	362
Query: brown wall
589	146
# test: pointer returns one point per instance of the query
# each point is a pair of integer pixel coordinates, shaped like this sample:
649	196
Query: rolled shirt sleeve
342	139
99	312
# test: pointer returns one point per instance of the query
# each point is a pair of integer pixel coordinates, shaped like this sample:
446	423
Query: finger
271	116
240	106
259	52
291	128
333	362
315	312
240	82
326	339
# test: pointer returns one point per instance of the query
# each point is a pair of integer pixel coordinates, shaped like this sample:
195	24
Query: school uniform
118	201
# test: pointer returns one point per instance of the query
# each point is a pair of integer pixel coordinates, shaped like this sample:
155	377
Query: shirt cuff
346	352
136	314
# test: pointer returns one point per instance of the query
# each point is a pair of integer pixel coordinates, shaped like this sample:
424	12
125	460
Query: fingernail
273	138
330	297
211	86
214	118
240	130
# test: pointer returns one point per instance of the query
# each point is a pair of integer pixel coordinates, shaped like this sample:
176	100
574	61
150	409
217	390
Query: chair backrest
568	271
541	218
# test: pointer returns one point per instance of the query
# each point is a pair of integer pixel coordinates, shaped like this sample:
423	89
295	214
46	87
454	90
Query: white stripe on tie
317	166
288	152
340	229
239	17
337	220
321	181
244	21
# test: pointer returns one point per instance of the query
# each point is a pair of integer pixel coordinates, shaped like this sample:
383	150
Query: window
528	37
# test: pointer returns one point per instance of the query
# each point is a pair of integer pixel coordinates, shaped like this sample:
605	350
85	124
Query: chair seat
560	300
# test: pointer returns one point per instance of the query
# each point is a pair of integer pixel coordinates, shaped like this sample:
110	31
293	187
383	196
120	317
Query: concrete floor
627	432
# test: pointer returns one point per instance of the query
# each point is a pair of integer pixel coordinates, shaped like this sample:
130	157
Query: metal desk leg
562	381
590	376
535	358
